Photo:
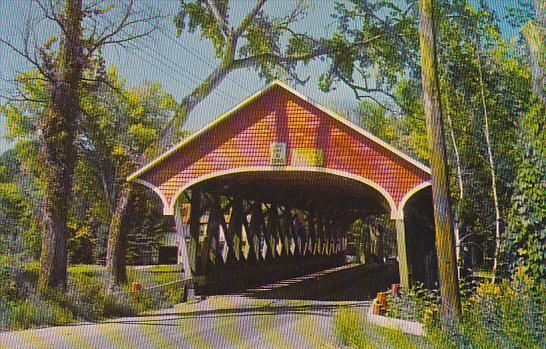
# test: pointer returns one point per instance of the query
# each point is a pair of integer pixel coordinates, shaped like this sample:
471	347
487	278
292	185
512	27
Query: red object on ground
395	288
136	286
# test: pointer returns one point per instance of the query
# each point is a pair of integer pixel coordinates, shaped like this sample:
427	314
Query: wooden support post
302	231
322	231
403	264
335	235
286	232
233	230
254	233
311	222
330	234
269	231
319	236
213	226
195	222
183	255
299	227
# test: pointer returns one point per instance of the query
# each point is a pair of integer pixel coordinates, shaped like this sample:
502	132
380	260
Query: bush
174	295
90	301
15	282
85	298
509	315
413	304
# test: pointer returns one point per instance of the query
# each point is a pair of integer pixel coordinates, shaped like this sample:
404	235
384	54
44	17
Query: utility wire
172	37
162	63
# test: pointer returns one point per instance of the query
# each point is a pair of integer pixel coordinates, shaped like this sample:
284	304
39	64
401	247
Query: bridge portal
279	180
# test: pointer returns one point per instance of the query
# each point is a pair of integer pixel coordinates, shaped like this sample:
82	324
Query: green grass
354	331
85	298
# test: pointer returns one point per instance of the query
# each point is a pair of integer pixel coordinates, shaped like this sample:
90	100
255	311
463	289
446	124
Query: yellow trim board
297	94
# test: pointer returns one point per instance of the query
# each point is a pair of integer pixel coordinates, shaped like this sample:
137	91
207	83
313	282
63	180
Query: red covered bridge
284	177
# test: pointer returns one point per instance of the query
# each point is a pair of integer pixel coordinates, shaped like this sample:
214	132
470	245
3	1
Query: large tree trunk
117	241
449	286
58	151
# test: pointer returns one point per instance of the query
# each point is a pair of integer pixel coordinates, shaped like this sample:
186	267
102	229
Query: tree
535	33
66	65
464	33
272	47
524	246
57	146
123	127
445	247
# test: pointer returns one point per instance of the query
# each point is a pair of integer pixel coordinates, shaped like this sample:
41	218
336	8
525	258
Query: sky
181	63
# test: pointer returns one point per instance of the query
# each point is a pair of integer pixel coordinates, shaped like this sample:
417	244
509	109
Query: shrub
90	301
413	304
510	315
15	282
146	300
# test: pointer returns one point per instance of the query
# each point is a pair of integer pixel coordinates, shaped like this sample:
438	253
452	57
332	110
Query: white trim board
169	208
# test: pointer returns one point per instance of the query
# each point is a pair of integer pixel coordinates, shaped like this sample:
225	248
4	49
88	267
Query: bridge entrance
272	187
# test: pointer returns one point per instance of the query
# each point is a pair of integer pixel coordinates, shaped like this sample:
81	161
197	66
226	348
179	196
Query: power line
196	55
172	37
156	59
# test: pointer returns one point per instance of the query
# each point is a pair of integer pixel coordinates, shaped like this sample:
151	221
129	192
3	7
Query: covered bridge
291	176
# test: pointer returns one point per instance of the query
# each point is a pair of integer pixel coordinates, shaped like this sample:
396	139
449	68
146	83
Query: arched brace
169	208
159	193
405	199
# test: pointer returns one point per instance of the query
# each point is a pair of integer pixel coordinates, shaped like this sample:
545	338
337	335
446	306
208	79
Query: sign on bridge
307	157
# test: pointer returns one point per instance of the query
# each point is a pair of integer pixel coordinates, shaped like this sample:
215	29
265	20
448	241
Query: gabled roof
251	99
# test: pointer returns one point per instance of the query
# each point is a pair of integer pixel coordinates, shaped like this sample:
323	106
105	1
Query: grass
85	298
354	331
506	315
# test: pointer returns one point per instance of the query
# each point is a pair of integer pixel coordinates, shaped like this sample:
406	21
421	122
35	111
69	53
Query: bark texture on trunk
445	246
117	241
58	150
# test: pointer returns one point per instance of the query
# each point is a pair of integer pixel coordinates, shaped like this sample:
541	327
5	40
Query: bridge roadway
293	313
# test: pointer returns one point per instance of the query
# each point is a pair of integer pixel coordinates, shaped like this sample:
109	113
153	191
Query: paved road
289	314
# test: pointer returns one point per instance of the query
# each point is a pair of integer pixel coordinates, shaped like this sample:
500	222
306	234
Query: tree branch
25	54
280	58
108	37
249	18
218	17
